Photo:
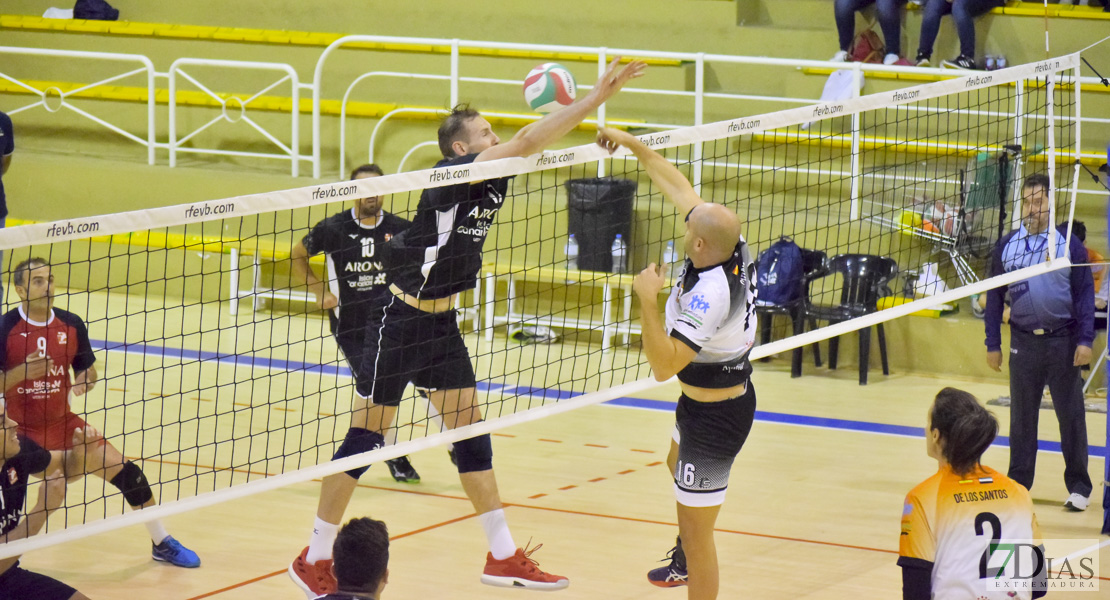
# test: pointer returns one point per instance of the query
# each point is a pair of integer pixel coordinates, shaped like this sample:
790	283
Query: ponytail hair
966	428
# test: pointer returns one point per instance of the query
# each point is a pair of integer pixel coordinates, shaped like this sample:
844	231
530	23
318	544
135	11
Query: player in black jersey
709	330
357	283
19	459
419	342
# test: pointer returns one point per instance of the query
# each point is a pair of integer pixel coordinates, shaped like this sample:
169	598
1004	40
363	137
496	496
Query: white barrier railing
145	67
234	109
289	152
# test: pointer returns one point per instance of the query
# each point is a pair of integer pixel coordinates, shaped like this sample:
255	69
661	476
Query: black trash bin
600	208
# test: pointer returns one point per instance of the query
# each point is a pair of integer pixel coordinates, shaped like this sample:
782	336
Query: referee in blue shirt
1051	332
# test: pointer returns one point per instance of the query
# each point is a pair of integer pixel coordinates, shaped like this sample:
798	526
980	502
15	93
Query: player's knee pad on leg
474	454
133	484
357	441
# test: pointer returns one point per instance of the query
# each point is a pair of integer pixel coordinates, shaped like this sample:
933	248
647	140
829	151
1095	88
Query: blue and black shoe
674	574
171	551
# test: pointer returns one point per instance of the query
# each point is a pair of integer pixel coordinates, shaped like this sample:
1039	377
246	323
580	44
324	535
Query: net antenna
234	405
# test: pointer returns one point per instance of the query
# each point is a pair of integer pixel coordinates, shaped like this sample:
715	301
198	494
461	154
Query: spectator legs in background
845	11
890	20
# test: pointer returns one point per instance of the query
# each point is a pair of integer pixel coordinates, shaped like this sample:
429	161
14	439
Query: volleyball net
221	378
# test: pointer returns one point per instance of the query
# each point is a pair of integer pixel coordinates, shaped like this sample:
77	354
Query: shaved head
712	233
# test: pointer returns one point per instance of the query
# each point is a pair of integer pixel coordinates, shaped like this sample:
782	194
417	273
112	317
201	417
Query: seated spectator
890	20
964	13
360	560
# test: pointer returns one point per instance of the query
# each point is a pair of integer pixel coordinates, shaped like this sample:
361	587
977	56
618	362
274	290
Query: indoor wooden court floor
813	508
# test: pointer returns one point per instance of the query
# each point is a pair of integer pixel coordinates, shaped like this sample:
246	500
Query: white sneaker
1076	503
841	56
890	59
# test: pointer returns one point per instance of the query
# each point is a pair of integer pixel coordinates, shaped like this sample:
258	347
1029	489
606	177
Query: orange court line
653	464
644	451
182	464
552	441
626	471
596	446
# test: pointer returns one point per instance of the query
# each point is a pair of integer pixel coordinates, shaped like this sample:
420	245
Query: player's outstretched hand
614	79
37	366
83	382
612	139
649	283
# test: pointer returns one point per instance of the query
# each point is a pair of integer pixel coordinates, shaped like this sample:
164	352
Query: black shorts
709	436
414	346
21	584
353	343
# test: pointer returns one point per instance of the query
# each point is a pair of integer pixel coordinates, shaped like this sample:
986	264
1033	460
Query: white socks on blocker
501	544
323	538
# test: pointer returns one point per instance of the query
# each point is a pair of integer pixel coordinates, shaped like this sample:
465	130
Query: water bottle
1000	62
619	253
991	64
671	261
571	250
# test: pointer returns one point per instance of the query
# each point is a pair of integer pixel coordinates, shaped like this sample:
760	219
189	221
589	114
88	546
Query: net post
1019	135
857	73
1078	150
1050	101
699	113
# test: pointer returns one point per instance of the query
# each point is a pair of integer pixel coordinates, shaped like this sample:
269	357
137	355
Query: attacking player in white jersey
959	524
709	331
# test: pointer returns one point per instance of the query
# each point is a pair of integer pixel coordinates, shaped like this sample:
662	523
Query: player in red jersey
38	399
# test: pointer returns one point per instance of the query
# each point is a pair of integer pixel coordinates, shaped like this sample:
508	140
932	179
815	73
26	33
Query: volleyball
549	87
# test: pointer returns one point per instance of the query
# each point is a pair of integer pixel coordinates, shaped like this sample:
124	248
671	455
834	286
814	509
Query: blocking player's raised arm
537	136
670	180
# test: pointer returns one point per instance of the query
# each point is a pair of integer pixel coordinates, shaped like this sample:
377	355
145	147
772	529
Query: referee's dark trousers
1036	360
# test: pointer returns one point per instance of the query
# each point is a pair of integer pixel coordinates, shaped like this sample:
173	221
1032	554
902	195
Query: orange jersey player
957	525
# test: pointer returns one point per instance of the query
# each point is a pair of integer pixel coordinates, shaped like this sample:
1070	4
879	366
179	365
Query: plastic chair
865	278
813	267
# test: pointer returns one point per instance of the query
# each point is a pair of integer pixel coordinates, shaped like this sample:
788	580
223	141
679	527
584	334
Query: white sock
323	538
158	533
501	544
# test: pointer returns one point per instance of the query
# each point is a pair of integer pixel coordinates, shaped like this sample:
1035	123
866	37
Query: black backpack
97	10
780	273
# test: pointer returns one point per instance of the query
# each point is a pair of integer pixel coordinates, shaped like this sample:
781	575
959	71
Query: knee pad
359	440
133	484
474	454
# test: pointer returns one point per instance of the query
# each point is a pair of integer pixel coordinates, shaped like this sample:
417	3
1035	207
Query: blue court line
261	362
841	424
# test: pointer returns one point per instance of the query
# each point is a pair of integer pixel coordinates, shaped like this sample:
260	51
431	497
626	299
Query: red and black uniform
41	406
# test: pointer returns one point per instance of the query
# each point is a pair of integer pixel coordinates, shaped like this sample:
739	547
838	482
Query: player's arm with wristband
537	136
670	180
